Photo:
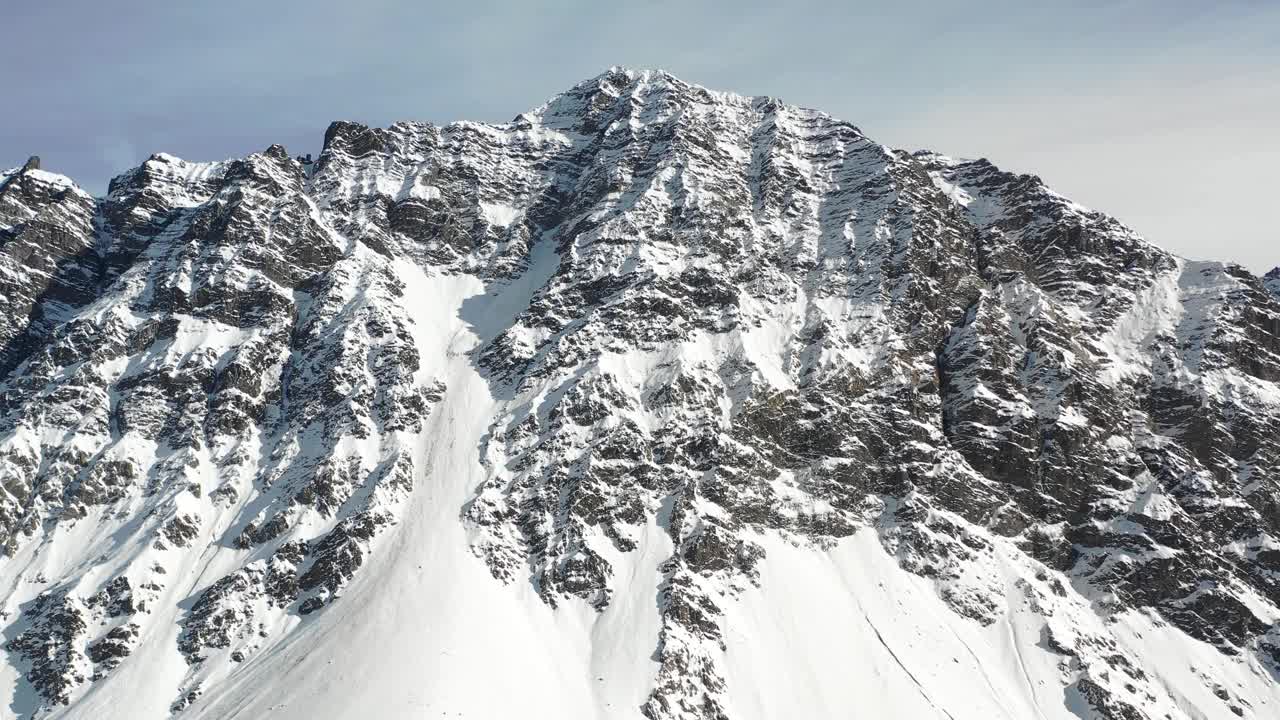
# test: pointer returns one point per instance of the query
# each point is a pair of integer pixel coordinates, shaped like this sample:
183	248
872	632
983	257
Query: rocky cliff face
633	355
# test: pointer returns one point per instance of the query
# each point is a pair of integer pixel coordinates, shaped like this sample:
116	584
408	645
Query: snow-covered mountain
653	402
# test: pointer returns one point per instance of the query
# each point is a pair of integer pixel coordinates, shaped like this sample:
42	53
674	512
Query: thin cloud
1161	113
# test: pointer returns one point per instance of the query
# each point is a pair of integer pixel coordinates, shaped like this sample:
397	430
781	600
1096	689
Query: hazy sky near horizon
1164	114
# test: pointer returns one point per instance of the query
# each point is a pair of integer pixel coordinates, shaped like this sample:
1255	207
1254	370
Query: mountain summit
654	402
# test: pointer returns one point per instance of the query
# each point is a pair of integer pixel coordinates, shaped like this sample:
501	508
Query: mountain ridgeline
654	402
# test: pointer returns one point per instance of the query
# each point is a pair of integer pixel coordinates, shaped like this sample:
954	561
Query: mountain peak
656	402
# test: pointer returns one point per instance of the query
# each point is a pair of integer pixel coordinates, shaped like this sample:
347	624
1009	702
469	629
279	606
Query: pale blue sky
1164	114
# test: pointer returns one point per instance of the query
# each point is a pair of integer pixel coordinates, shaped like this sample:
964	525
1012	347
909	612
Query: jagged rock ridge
637	355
